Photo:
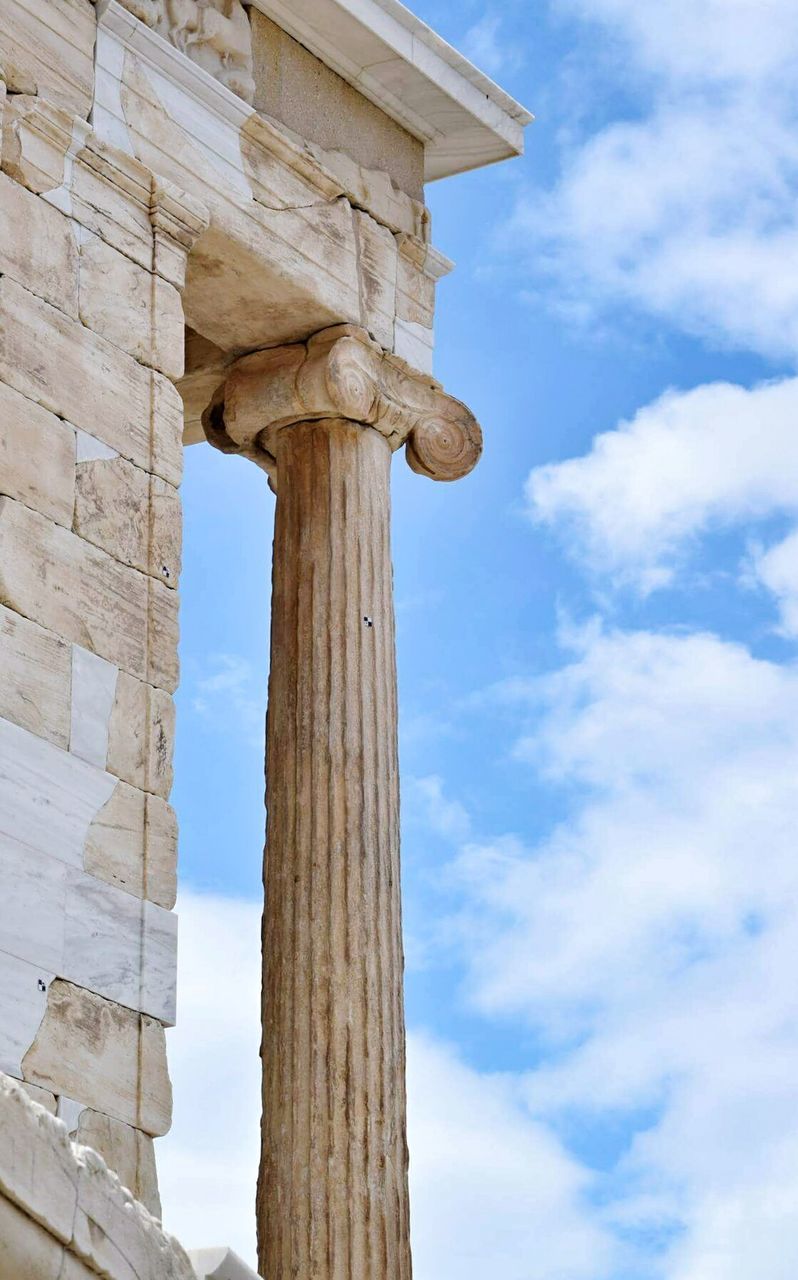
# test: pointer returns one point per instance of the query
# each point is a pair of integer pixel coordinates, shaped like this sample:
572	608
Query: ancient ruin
213	230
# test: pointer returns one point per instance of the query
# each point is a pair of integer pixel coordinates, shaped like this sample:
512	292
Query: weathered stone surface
37	457
133	844
37	136
160	882
127	1151
41	1096
163	667
342	373
86	596
53	360
166	532
36	1165
111	508
27	1251
415	291
282	270
49	49
131	307
141	736
35	684
377	261
114	849
110	1058
310	98
37	247
334	1143
54	1190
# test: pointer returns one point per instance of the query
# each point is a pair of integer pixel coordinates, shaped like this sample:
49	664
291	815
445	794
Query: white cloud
687	211
487	1180
446	817
777	570
653	939
483	45
493	1192
714	456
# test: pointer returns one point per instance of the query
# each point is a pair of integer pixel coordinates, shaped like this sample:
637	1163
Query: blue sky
597	678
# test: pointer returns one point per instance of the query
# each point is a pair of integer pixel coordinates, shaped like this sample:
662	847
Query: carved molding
213	33
342	373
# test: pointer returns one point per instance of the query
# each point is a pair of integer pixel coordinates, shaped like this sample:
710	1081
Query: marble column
324	419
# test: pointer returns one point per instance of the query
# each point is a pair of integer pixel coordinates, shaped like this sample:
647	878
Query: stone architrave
323	419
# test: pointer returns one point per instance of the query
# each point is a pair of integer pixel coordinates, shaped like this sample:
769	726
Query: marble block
141	737
93	693
137	311
38	247
37	457
32	905
53	359
68	923
35	684
48	798
23	1001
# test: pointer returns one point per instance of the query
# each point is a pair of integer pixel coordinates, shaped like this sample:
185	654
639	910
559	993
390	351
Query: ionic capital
342	373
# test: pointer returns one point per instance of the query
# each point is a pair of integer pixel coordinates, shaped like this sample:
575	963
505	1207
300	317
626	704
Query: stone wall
92	260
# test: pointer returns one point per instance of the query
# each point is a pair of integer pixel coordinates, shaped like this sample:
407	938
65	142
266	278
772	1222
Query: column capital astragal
342	373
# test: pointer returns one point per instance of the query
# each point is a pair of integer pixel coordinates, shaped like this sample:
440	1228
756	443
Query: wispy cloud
486	44
231	694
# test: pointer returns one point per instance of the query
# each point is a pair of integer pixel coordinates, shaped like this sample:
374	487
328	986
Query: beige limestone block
75	373
36	671
131	307
37	457
127	1151
111	503
111	194
135	517
36	138
36	1167
166	532
415	293
163	667
37	247
167	434
49	49
41	1096
104	1055
141	736
161	853
377	273
132	844
27	1251
114	849
77	591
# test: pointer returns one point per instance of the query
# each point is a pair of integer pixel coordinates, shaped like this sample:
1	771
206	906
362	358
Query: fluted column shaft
332	1194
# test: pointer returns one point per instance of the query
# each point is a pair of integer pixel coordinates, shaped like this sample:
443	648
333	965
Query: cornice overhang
393	58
